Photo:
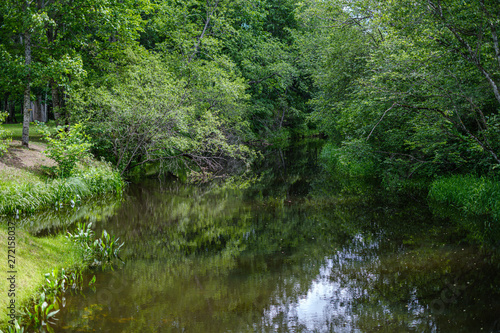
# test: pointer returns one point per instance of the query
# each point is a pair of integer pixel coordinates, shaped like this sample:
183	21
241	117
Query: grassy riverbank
471	201
28	184
34	257
25	187
25	192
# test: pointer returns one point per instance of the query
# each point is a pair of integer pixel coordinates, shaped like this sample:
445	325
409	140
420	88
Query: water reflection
296	251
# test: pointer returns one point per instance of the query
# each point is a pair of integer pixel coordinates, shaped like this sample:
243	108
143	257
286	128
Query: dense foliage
403	90
184	84
411	87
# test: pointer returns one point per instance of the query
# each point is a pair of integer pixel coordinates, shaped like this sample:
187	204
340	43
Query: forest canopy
402	89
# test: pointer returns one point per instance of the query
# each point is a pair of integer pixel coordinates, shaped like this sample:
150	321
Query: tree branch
392	106
207	21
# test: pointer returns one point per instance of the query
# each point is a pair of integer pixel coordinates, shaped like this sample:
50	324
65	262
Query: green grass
473	195
473	203
17	130
34	257
25	192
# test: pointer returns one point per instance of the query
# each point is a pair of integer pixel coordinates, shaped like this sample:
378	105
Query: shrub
66	147
354	158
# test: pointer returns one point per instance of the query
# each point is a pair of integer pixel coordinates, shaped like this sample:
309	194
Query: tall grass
478	203
26	195
473	195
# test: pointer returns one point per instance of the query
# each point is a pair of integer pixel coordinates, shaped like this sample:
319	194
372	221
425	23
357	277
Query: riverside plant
96	252
30	194
474	195
477	198
67	146
43	311
17	328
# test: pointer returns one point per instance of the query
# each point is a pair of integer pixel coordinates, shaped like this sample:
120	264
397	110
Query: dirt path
21	158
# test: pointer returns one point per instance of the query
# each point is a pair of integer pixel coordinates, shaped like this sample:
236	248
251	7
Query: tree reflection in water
296	250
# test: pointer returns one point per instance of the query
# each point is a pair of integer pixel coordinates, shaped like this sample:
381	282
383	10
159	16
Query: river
292	248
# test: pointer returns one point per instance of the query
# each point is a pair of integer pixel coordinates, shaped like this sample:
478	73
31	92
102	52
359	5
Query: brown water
294	250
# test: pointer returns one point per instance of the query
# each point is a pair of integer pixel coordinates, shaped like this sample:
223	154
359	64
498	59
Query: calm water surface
291	250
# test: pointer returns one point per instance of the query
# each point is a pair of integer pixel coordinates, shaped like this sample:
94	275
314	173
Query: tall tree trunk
37	112
27	90
11	107
56	102
45	110
6	104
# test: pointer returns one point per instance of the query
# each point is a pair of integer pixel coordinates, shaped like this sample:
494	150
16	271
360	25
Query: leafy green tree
21	19
255	36
417	82
268	57
148	115
61	40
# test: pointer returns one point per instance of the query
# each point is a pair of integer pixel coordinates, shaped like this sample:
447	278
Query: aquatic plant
42	314
97	252
17	328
